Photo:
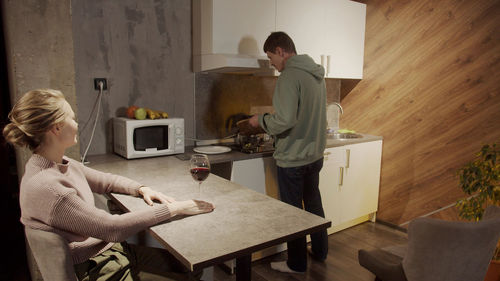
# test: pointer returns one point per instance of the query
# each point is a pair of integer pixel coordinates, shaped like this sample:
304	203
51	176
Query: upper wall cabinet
332	32
230	34
344	38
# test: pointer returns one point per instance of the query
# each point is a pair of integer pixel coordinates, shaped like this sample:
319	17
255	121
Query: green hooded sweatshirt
299	122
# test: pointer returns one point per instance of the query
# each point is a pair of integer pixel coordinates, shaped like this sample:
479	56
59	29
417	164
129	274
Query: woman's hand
149	195
190	207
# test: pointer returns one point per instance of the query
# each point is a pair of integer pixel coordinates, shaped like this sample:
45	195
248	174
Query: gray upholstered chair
51	254
439	250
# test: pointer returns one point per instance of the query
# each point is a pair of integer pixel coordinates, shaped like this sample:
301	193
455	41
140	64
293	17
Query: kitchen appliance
147	138
246	138
255	143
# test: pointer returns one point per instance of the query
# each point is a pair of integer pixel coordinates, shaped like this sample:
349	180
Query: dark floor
341	264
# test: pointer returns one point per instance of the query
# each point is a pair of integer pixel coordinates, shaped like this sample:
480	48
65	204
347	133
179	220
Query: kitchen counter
341	142
235	155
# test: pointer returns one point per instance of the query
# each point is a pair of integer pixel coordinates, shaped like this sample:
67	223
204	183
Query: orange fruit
131	111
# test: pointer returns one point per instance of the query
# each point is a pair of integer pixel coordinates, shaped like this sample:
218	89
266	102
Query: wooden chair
439	250
52	255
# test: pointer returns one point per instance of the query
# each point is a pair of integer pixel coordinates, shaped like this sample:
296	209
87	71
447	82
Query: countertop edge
341	142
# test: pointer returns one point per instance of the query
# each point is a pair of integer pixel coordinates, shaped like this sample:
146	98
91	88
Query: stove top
257	149
255	143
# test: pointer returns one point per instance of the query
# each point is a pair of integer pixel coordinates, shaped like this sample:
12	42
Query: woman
56	195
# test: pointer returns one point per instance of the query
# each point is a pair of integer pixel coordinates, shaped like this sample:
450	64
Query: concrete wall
39	48
143	48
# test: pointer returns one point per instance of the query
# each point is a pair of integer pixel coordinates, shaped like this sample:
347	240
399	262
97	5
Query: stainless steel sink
343	136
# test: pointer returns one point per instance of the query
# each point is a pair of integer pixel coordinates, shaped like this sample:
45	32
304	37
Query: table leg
244	268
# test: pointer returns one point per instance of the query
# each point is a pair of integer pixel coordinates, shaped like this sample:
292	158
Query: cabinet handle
341	176
347	157
328	64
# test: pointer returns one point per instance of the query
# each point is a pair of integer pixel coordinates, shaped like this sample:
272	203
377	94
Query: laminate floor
342	262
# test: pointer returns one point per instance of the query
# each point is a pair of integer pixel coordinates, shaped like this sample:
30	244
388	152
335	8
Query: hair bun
14	135
33	115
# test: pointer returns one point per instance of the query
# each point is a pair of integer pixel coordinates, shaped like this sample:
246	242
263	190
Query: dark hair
279	39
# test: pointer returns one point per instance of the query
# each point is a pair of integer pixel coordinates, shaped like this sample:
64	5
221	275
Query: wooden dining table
243	221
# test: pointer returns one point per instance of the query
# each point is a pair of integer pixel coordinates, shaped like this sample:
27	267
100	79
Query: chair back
52	255
441	250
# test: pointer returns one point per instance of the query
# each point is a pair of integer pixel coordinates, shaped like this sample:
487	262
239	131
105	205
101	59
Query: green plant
480	180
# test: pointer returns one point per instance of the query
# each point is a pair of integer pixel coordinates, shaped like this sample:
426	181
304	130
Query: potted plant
480	180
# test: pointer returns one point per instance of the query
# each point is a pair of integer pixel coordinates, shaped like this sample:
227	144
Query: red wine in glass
200	174
199	168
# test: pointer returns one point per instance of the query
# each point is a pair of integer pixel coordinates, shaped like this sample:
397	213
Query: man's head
279	47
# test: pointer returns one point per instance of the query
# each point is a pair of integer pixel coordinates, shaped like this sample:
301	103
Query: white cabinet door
329	187
332	32
344	38
258	174
361	180
349	183
232	26
303	21
250	173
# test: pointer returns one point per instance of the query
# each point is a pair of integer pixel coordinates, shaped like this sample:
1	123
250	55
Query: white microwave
147	138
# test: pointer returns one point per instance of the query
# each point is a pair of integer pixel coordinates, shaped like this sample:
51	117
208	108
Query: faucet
333	117
340	107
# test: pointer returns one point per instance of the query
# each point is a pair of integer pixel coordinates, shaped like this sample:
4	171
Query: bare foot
283	267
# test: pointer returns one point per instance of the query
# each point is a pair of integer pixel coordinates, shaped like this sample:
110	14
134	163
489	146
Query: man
299	128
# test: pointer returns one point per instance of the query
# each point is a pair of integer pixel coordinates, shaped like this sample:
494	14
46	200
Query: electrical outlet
104	83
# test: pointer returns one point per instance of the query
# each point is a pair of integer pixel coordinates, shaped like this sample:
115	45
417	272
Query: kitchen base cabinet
349	183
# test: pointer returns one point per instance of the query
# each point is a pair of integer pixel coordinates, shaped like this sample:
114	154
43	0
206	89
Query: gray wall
143	48
39	51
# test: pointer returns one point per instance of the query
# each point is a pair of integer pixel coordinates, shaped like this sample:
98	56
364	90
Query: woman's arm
72	214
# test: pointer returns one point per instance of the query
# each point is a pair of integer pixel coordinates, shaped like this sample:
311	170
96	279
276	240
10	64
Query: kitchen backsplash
219	96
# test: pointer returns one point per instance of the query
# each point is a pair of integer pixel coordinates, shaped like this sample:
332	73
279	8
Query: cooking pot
246	137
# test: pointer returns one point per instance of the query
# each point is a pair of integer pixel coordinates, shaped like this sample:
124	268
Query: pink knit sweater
58	198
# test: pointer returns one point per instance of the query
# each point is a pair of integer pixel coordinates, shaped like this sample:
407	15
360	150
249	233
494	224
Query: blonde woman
56	195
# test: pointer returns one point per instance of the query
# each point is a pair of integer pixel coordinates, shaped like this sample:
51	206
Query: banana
156	114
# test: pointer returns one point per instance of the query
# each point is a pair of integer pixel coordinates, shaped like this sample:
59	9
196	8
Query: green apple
140	113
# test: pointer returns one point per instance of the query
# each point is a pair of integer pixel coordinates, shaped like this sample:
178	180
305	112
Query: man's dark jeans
297	185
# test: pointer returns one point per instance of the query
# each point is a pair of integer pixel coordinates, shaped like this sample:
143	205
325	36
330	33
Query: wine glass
199	168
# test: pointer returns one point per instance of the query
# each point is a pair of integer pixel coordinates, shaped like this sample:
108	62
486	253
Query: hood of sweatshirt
306	63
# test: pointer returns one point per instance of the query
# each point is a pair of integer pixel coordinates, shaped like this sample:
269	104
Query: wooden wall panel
431	88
